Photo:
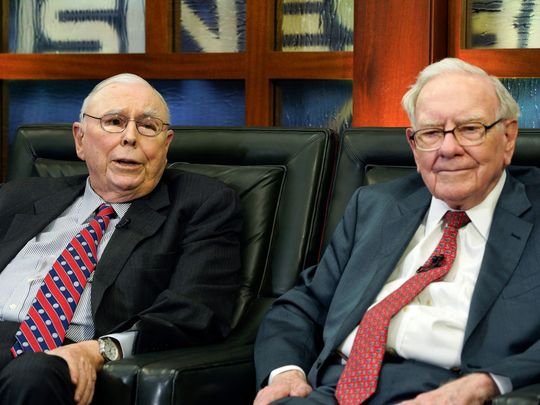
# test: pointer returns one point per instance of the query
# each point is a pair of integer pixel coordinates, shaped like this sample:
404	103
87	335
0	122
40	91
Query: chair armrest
217	373
117	382
200	376
220	373
529	395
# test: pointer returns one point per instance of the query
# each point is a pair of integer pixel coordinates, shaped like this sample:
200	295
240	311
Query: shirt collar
480	215
91	201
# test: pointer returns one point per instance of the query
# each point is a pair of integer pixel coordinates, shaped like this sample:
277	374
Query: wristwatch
109	349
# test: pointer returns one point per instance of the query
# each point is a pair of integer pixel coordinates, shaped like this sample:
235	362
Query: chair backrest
372	155
282	177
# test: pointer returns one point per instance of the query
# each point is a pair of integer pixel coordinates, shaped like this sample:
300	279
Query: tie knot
456	219
105	210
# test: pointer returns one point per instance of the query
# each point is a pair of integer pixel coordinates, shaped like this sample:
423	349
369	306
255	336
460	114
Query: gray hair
508	107
121	78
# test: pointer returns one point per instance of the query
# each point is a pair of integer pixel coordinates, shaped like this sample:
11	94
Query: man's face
127	165
462	176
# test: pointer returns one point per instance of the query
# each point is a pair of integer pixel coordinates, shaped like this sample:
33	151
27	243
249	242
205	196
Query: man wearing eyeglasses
428	291
167	253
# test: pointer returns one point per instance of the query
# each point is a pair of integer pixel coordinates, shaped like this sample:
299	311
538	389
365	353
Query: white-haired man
427	293
128	259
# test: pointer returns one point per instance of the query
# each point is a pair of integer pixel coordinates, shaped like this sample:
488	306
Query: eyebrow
152	113
457	122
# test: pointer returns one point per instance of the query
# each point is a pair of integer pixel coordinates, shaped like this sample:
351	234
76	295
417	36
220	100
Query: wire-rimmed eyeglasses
116	123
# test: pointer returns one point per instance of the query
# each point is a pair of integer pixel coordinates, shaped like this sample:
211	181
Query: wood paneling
258	66
310	65
393	42
159	26
97	66
260	28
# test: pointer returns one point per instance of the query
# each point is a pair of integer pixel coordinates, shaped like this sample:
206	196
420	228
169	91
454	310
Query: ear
169	138
511	133
78	135
408	134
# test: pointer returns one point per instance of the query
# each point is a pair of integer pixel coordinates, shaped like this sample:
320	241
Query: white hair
121	78
508	107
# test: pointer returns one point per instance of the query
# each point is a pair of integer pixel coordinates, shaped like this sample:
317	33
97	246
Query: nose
129	135
450	145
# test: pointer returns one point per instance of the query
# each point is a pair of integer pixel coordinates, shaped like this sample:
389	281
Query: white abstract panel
84	26
503	24
213	25
317	25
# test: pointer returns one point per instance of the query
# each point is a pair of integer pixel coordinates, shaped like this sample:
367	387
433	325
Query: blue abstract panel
103	26
315	103
317	25
503	24
213	25
191	102
527	94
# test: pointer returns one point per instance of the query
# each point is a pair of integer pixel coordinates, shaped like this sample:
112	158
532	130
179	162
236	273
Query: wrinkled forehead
461	94
128	98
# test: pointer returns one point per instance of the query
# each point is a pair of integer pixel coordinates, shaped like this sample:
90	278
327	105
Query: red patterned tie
359	378
45	325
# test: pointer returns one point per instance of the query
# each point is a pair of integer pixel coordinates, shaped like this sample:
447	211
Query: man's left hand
84	361
472	389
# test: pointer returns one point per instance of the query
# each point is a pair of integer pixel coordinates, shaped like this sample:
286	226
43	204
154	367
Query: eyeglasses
469	134
116	123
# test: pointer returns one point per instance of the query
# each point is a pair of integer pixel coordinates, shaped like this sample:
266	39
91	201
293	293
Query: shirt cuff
503	383
280	370
126	340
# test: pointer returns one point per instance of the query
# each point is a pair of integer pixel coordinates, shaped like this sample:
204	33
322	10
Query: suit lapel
42	212
144	221
507	239
401	223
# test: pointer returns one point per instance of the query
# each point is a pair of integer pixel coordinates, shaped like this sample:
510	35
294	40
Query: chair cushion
259	189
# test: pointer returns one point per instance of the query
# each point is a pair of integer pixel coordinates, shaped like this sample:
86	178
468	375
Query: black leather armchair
283	178
373	155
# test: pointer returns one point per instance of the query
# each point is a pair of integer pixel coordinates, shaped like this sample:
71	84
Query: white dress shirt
431	328
23	276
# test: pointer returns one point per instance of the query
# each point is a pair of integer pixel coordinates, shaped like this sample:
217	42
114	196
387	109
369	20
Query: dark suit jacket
170	273
502	335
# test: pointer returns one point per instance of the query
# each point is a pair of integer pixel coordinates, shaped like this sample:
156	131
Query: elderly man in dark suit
166	245
428	291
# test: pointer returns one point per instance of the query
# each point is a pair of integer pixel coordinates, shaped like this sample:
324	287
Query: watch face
109	350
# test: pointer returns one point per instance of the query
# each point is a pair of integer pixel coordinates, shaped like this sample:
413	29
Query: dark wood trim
176	27
439	30
520	63
96	66
4	33
278	31
260	27
159	26
281	65
310	65
454	26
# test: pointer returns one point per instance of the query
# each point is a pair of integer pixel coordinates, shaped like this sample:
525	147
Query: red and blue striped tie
45	325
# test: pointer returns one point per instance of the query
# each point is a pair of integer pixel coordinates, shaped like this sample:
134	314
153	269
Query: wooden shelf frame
258	66
393	39
518	63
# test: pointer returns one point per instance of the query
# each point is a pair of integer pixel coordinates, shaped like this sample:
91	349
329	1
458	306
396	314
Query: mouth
126	162
451	170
